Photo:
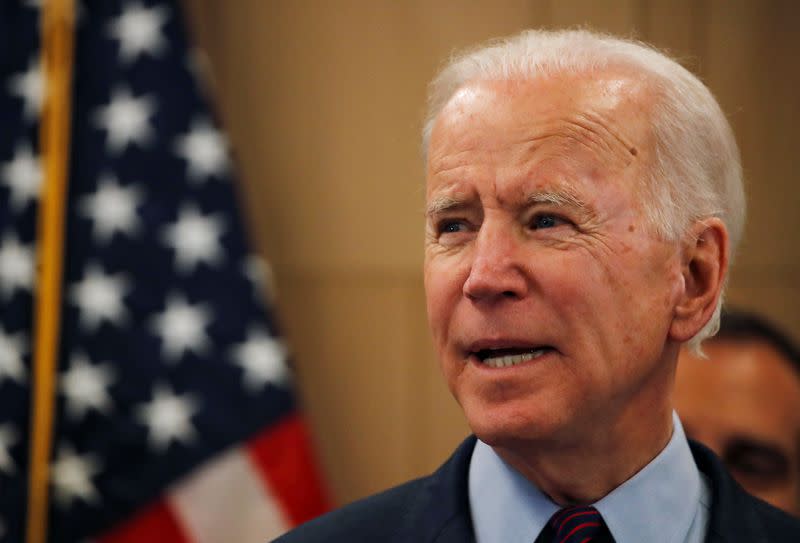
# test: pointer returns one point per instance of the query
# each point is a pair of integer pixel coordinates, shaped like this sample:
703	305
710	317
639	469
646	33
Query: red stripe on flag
154	524
283	458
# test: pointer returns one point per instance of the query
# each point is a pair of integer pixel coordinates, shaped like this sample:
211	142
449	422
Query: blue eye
545	221
451	227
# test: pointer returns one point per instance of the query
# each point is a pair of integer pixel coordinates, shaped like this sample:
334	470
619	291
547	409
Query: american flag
175	416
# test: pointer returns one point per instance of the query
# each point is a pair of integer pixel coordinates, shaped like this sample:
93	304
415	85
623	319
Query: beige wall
324	100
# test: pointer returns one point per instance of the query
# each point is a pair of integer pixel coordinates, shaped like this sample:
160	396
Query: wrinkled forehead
584	122
622	99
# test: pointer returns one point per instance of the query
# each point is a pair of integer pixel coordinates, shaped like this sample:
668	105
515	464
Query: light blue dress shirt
667	501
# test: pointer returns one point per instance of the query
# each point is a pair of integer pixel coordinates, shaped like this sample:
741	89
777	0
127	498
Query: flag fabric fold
175	416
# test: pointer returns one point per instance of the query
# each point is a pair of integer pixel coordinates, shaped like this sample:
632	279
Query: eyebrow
738	447
565	198
443	203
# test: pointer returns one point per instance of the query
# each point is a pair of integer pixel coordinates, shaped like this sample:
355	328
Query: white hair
696	172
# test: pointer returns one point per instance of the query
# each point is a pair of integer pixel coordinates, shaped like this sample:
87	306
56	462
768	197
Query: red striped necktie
577	524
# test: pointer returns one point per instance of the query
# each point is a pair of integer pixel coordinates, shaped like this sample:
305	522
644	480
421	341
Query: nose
497	269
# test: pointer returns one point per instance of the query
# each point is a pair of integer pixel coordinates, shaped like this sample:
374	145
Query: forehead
747	381
575	126
753	363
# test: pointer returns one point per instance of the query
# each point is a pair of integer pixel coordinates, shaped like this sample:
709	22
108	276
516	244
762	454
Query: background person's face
744	403
536	247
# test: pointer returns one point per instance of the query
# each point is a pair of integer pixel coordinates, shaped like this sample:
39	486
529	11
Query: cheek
645	288
576	284
641	271
618	296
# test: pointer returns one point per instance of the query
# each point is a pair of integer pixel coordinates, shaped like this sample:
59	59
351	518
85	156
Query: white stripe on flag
226	500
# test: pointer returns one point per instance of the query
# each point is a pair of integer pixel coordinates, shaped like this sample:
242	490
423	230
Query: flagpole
57	22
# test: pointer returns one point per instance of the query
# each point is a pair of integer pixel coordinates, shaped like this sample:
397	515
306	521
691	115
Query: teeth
512	359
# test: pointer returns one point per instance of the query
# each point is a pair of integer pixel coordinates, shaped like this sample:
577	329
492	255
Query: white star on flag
195	238
16	266
182	327
85	386
168	417
205	150
112	208
29	86
12	347
98	296
126	120
71	475
263	359
23	175
8	437
138	30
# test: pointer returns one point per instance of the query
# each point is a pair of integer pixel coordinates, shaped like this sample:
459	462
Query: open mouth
501	358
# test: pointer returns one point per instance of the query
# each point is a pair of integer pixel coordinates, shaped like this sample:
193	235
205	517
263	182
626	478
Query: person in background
584	196
744	403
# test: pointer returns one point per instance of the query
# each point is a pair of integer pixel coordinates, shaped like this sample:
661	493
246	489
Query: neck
584	471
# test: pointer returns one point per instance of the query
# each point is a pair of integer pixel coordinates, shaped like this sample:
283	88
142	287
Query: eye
756	462
451	226
546	220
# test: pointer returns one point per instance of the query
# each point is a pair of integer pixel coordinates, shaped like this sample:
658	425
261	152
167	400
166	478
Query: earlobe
704	269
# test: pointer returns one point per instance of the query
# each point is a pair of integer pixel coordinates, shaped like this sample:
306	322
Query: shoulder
737	516
756	521
777	525
426	509
376	518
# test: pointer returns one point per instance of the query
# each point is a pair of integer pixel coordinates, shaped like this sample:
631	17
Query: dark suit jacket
436	509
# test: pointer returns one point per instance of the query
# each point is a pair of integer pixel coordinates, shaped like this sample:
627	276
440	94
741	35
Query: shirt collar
657	504
505	506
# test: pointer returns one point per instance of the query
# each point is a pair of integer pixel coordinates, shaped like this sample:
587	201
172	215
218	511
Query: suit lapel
441	512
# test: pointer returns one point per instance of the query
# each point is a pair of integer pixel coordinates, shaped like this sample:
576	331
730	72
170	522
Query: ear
704	269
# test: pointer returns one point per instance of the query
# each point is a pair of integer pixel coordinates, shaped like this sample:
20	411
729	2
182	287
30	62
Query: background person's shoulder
736	515
778	526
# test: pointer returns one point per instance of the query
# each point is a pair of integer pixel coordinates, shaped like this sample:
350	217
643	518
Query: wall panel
351	343
751	47
675	26
622	17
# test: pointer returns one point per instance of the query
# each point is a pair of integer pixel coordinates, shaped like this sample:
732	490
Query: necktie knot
578	524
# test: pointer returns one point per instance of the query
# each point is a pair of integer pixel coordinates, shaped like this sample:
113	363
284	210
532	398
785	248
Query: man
744	403
583	197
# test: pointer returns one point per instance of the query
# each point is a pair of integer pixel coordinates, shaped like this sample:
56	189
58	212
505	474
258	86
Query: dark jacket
436	509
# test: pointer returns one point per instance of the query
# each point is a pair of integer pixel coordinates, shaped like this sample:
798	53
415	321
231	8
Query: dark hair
742	325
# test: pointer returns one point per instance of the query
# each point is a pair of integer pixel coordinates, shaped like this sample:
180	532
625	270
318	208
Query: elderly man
583	197
744	404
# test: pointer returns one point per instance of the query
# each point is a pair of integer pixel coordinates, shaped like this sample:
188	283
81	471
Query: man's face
744	403
538	259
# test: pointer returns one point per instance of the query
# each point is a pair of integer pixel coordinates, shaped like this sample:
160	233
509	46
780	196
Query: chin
510	425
